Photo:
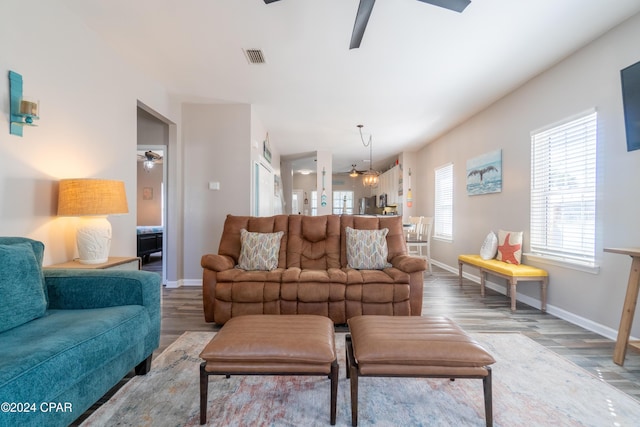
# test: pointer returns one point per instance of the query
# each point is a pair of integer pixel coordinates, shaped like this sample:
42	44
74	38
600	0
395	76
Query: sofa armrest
217	262
82	289
409	263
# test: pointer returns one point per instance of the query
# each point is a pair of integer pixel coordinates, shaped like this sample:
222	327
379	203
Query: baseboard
183	282
192	282
583	322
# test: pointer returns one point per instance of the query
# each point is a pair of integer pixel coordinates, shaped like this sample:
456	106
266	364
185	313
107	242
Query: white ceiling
420	69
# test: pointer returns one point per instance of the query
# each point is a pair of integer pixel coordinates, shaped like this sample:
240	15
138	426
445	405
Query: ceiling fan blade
364	11
455	5
270	1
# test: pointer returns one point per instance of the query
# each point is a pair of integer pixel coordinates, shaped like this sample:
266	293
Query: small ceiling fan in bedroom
149	158
366	6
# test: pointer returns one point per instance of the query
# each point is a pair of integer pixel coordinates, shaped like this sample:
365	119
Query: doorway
152	191
297	206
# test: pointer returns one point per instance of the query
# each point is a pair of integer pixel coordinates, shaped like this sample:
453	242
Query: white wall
88	99
270	203
217	147
589	78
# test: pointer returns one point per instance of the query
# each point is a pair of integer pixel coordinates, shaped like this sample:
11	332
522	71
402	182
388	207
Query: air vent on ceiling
254	56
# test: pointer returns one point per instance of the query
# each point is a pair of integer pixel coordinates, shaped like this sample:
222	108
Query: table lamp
92	200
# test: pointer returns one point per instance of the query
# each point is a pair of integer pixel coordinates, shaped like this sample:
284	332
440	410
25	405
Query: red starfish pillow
509	246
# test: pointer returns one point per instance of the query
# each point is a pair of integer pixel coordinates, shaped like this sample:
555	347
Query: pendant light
370	177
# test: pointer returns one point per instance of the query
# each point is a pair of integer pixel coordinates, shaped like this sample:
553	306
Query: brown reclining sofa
312	276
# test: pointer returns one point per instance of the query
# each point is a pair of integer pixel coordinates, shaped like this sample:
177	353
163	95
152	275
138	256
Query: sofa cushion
367	249
331	275
65	346
23	297
314	242
388	275
239	275
259	251
230	244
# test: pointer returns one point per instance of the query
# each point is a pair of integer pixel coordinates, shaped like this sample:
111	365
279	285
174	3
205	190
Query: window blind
563	190
443	218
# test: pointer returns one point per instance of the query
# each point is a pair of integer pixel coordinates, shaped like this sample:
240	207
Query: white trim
192	282
443	239
172	284
564	121
183	282
572	318
560	262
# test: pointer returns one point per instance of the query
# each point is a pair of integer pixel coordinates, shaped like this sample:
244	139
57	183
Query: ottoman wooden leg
204	389
334	390
347	343
488	399
352	373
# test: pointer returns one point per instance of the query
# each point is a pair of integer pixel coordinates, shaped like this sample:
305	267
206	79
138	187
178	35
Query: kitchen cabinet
389	183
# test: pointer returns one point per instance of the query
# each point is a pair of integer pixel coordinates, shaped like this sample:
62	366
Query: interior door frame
164	149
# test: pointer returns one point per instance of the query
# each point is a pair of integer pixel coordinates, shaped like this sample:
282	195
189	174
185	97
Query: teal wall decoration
22	111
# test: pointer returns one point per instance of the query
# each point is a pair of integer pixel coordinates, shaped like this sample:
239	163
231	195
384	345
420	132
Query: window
443	221
314	203
343	202
563	190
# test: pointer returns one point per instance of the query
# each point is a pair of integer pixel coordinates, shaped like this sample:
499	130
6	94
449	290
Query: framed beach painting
484	174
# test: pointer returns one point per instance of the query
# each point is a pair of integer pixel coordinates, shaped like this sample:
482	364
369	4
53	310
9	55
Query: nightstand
114	263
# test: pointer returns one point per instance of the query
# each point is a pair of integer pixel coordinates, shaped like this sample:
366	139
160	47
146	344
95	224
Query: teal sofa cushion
69	356
21	286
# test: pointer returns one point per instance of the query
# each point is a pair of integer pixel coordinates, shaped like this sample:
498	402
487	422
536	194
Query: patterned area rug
532	386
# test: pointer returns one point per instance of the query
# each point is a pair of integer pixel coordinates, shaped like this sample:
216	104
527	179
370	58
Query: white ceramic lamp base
93	237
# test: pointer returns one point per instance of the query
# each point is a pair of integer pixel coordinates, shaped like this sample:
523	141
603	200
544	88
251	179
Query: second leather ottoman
414	346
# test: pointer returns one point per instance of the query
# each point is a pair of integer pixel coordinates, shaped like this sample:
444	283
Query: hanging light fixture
147	165
149	160
370	177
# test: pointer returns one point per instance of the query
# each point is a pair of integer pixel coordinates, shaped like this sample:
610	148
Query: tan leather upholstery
312	275
432	347
272	344
415	346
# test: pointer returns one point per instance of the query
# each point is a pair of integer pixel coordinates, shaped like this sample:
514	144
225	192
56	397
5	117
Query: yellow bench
513	274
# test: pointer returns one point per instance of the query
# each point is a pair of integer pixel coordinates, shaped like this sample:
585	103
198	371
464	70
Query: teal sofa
68	336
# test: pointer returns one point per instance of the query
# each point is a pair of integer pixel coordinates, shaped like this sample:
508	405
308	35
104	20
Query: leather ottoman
271	345
431	347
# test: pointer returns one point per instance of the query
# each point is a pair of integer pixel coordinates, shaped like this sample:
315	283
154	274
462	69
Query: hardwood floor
587	349
182	311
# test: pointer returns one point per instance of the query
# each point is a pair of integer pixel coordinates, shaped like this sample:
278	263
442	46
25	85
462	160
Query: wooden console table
630	300
115	263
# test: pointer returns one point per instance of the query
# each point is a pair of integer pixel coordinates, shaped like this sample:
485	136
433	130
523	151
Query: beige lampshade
91	197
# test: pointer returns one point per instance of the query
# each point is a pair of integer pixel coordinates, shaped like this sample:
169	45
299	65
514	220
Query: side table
115	263
630	300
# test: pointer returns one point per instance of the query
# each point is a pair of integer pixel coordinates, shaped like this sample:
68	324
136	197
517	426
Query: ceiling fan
149	155
149	158
366	6
355	172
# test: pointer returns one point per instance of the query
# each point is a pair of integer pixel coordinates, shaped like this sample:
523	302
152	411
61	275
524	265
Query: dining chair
419	243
